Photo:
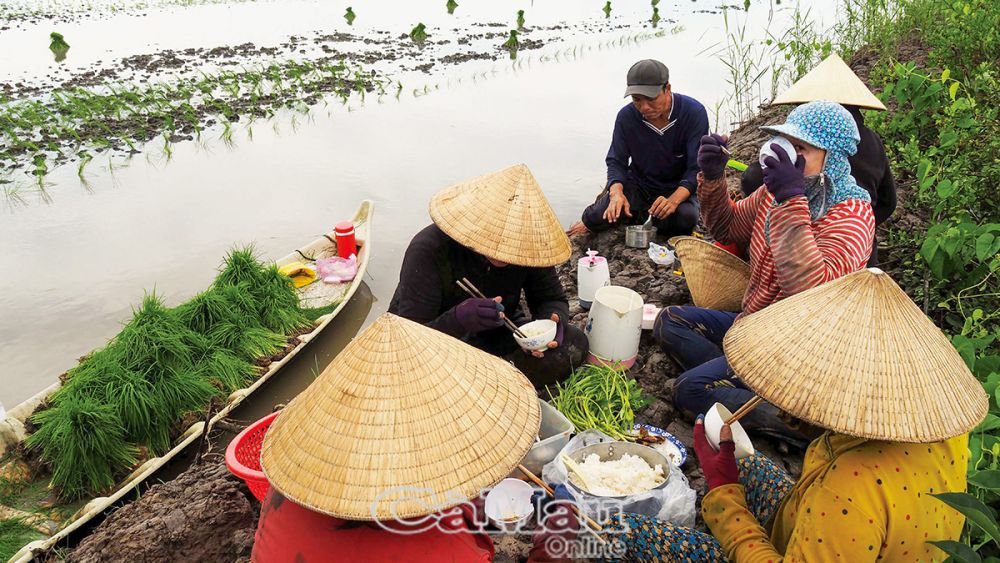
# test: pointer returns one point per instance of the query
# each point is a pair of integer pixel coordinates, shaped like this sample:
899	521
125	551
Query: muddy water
76	259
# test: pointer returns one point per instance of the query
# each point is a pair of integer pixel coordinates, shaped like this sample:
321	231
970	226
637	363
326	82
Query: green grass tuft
14	534
84	441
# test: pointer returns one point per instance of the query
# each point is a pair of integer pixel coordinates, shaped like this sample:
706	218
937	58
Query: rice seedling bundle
164	364
84	443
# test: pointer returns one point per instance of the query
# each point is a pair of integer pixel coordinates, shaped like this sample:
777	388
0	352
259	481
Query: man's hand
577	228
554	343
617	204
663	207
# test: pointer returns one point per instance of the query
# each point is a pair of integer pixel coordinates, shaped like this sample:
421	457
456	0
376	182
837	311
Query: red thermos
346	243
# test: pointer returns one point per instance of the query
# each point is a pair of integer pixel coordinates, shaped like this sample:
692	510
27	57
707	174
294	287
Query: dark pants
680	222
692	336
555	366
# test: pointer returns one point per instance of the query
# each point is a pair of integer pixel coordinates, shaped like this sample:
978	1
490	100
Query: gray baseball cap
647	78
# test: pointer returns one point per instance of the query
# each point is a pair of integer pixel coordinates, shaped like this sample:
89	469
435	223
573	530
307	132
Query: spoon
572	466
648	224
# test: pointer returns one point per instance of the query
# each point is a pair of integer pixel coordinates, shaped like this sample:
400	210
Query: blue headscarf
826	125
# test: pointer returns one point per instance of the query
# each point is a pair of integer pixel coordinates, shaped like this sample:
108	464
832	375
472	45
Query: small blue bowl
670	438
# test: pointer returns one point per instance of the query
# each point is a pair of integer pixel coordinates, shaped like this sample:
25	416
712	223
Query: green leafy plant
84	442
451	5
419	33
607	9
349	15
600	397
520	19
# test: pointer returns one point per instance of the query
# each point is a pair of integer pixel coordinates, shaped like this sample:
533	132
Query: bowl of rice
618	470
537	334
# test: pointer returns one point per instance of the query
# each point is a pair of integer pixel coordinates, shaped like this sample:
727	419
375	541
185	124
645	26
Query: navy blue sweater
658	163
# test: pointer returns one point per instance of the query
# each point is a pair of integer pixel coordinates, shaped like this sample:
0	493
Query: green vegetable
602	398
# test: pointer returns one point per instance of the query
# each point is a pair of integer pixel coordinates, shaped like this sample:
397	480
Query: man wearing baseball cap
652	162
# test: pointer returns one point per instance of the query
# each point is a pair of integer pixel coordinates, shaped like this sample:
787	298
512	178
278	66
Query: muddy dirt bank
205	514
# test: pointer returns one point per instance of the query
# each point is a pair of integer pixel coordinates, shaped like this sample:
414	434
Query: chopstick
592	526
473	291
745	409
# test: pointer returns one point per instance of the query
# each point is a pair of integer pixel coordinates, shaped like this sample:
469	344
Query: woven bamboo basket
716	278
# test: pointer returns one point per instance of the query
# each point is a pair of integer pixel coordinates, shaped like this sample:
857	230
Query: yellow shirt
857	500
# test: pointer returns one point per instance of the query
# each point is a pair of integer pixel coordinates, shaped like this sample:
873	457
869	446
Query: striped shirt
802	253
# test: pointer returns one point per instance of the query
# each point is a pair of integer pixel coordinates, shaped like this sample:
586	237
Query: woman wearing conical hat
499	232
897	402
809	224
833	80
386	455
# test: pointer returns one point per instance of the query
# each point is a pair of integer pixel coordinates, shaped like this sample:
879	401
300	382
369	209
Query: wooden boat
316	294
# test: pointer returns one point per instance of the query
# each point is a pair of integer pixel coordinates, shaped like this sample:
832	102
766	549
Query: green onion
601	398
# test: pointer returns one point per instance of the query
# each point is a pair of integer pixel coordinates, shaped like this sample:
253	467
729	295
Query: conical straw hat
716	278
504	216
855	355
404	422
831	80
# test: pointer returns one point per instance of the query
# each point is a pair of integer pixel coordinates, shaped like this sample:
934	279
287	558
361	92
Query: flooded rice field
273	119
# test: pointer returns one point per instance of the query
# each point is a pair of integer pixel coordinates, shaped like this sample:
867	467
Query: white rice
628	475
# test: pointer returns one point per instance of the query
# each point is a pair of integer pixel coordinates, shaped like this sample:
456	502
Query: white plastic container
591	275
614	326
553	435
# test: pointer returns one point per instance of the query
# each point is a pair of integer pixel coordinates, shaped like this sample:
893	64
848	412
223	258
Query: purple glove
711	159
783	179
476	315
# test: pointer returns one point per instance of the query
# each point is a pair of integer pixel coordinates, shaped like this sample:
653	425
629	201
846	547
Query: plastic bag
660	254
672	503
337	269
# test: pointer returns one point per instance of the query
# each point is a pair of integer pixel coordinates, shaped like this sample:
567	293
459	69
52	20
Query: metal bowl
610	451
637	236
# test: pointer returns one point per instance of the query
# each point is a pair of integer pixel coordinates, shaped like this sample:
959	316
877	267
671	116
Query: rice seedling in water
211	307
58	46
349	16
607	9
451	5
84	442
656	16
419	33
520	19
511	44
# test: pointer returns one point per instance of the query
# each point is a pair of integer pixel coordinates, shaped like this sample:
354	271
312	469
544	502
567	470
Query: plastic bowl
547	333
713	425
508	504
